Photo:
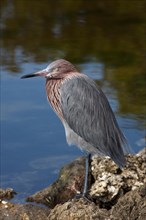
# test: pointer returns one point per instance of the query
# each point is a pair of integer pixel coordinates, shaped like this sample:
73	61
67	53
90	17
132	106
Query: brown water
105	39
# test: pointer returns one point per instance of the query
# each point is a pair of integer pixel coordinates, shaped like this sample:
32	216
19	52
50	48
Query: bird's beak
39	73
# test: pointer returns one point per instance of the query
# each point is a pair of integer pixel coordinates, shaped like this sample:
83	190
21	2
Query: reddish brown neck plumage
53	90
53	95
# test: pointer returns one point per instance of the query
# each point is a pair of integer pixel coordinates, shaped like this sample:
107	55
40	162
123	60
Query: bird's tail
120	149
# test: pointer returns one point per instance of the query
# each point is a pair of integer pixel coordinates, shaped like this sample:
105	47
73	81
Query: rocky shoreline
112	194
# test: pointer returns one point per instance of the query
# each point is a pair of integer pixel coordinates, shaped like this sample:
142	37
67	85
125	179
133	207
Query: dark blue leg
86	174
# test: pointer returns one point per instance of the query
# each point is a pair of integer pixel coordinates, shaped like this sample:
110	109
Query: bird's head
56	70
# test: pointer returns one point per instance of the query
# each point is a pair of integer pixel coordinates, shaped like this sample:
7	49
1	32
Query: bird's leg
88	157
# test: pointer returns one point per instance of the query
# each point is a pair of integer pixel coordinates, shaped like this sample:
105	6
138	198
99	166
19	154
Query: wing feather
88	113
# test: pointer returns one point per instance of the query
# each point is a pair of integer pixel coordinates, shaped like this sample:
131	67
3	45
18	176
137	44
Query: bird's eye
56	69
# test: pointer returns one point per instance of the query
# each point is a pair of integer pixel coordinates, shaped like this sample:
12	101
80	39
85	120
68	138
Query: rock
108	182
113	194
131	206
7	193
69	183
78	209
111	182
10	211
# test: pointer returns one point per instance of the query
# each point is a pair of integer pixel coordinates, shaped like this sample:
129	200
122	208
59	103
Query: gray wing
88	113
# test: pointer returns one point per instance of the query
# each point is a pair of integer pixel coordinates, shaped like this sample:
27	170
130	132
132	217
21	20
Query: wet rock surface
69	183
113	193
7	193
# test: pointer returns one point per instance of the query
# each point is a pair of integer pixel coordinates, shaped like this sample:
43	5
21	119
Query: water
33	144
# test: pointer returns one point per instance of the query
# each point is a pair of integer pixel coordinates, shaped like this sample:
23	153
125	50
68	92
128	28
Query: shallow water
104	40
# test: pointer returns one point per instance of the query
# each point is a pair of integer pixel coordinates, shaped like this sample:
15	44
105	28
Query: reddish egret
84	110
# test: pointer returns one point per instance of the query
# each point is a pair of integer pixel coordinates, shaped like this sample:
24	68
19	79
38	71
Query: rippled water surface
104	40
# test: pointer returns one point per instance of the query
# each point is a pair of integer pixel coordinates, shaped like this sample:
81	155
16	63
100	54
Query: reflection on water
105	40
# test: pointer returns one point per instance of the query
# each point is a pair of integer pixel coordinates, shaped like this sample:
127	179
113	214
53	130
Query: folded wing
88	113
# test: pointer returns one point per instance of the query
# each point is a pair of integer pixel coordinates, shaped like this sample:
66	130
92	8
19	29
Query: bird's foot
84	196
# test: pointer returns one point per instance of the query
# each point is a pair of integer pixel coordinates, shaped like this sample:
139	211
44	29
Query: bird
84	111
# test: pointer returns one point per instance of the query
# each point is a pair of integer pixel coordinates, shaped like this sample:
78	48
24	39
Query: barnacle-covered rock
111	182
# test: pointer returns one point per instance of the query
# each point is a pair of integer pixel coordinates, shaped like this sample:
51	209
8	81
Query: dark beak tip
28	76
23	77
